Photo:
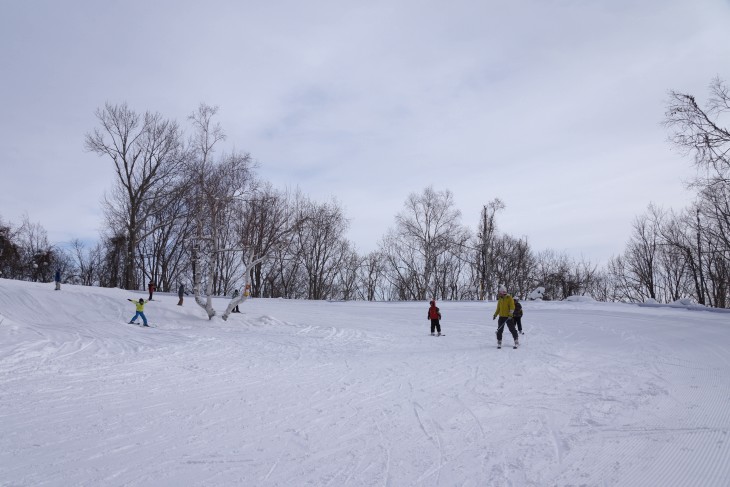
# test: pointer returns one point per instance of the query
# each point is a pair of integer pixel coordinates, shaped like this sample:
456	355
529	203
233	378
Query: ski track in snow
333	394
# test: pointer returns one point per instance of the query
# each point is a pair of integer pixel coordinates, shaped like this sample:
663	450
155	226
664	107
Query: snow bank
536	294
586	298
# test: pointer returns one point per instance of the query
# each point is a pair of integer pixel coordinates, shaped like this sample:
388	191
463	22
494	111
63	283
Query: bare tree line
181	211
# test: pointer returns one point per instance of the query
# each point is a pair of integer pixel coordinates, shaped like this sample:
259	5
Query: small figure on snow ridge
151	288
234	296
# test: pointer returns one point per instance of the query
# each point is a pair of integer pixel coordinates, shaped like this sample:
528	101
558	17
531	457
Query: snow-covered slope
315	393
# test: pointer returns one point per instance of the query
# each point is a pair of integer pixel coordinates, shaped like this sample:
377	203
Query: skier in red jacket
151	288
434	315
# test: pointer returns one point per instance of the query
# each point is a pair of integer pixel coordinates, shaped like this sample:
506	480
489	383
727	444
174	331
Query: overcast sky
554	106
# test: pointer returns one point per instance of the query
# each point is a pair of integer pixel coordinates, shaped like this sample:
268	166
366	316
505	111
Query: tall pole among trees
701	297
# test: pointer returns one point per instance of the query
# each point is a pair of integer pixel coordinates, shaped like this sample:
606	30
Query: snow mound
536	294
587	298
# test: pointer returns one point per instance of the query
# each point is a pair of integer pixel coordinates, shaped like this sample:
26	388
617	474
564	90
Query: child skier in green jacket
140	311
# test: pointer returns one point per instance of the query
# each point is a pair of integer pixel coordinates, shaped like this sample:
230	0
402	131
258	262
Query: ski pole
501	327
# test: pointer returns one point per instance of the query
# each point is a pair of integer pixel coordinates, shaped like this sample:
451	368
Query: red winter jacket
433	313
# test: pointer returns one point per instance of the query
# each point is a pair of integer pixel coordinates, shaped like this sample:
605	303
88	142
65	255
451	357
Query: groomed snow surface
292	393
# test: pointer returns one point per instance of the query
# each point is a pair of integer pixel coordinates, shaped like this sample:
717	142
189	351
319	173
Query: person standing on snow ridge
151	288
180	294
58	280
234	296
518	316
505	310
434	315
140	311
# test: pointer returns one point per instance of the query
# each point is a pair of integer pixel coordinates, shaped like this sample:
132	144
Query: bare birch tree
216	186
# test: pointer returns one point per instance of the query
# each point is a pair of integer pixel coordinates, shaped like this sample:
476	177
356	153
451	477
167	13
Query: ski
143	326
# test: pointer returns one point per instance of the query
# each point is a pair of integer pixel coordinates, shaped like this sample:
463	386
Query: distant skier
151	288
180	294
58	280
505	310
234	296
518	315
140	311
434	315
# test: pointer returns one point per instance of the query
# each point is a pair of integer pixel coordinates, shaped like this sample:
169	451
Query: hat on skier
502	289
432	303
141	300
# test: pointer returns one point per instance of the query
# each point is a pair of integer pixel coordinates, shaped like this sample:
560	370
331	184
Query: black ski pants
435	325
510	324
518	322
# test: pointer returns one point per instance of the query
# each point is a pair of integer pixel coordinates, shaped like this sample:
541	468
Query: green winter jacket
505	306
138	305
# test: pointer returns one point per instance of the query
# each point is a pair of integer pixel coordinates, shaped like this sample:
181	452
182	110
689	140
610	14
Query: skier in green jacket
505	310
140	311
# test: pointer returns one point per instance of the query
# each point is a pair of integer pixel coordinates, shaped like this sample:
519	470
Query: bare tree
163	255
426	230
87	262
485	245
147	154
698	132
562	276
679	234
372	273
512	262
265	226
216	187
38	258
321	246
286	277
347	282
10	265
642	253
208	242
113	260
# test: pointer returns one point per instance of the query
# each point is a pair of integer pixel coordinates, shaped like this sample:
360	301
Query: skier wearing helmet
505	310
